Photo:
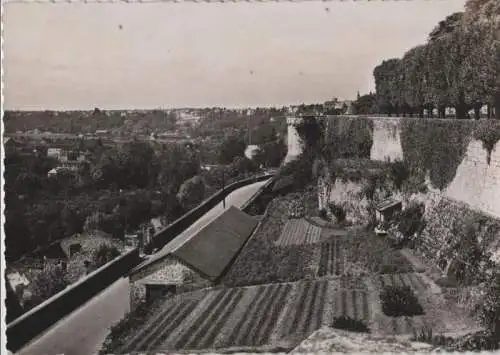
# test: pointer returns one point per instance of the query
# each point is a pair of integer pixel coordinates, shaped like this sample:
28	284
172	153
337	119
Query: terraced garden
299	231
248	317
331	258
293	277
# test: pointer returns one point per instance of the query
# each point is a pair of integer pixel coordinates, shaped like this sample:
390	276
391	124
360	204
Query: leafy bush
476	342
400	301
127	326
489	133
46	284
104	254
297	174
410	220
350	324
322	214
399	172
191	192
490	307
338	211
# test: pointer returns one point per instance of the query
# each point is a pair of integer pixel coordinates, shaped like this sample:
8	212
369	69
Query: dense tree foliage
458	67
191	192
119	188
231	148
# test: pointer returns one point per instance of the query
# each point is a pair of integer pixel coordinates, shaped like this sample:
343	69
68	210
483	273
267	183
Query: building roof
387	204
210	249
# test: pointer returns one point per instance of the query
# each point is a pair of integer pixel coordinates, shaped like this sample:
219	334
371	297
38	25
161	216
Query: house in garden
196	258
386	209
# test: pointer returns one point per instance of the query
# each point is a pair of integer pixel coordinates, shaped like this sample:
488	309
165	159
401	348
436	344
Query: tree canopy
458	67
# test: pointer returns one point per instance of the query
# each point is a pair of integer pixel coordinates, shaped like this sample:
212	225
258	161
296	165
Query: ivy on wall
437	146
349	137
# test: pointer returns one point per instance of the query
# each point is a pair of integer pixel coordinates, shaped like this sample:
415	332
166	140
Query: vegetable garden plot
413	280
403	325
310	308
203	332
256	325
351	303
299	231
331	259
252	328
166	322
306	313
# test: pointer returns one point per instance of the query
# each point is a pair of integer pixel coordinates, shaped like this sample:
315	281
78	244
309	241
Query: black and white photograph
261	176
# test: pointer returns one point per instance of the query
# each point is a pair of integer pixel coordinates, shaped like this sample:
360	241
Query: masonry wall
455	161
168	272
476	181
461	164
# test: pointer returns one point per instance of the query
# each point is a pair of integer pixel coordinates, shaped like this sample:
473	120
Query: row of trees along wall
459	67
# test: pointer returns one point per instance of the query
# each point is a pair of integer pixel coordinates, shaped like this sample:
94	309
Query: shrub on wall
399	172
455	232
490	307
410	220
489	133
104	254
121	331
338	211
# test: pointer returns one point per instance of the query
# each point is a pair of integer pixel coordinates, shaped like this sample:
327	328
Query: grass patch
398	301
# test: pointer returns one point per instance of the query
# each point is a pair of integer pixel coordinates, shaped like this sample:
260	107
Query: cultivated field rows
299	231
252	316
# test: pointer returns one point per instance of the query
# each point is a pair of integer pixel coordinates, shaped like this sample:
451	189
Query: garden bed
261	261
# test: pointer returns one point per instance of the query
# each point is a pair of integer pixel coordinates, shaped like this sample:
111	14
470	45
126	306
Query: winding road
83	331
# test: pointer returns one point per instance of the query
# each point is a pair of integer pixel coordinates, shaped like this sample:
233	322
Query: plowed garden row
249	316
368	253
331	259
299	231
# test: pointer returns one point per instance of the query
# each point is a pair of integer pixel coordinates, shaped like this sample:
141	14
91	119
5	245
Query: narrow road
83	331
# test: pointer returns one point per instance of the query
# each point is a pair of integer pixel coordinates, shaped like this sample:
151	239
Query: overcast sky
112	56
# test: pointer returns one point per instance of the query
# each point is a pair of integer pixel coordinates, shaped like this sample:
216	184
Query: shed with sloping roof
195	258
386	209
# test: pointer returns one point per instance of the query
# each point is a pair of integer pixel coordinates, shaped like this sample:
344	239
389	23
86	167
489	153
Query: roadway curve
83	331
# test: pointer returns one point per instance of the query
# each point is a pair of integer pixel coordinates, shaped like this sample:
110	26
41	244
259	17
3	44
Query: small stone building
193	259
385	210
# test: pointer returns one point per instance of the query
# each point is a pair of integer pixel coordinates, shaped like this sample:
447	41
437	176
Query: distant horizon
185	55
172	108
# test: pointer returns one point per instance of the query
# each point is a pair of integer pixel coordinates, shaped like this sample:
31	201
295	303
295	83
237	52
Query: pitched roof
386	204
210	249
